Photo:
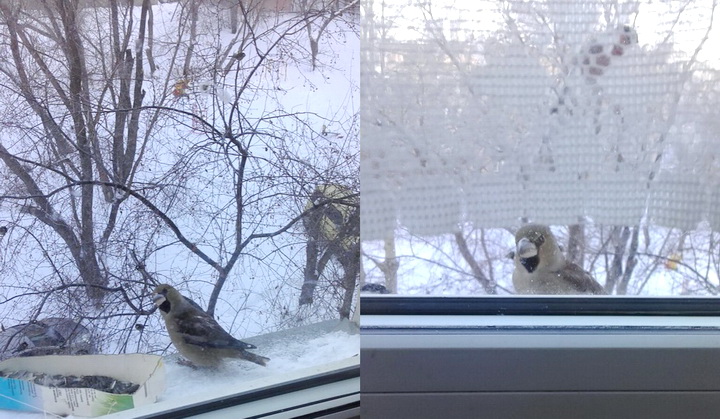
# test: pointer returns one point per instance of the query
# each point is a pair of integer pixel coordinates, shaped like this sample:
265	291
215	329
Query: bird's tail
249	356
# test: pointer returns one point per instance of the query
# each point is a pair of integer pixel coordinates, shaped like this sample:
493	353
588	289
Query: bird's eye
540	239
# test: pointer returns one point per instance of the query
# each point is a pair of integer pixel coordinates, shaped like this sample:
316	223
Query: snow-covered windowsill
313	368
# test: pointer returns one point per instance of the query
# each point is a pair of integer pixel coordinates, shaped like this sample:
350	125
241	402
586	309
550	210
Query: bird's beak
158	299
526	248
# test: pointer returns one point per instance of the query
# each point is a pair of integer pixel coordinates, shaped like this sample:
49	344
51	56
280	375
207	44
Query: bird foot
185	363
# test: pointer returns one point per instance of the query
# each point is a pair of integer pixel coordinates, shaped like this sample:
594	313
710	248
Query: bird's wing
581	279
198	328
193	303
218	344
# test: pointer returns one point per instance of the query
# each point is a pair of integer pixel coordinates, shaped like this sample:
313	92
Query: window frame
540	357
393	305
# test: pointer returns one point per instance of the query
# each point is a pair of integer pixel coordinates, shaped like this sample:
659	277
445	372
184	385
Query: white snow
285	357
290	350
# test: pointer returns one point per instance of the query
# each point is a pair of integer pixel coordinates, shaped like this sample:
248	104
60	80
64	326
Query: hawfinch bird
196	335
541	268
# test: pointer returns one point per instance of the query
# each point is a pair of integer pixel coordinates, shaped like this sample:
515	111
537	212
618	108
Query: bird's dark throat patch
530	263
165	306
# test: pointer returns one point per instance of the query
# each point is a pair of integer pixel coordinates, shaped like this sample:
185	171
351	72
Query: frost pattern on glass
549	111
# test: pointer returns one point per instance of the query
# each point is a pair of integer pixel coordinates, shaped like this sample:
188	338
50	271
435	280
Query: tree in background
130	157
332	223
324	11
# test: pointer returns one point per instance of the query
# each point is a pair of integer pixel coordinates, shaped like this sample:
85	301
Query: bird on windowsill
196	335
541	268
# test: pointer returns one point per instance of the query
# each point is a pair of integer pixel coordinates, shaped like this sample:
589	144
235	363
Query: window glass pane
181	179
596	119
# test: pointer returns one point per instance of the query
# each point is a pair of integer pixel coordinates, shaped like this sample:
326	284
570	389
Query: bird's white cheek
526	249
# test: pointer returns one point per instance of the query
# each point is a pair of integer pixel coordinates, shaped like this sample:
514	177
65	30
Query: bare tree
198	172
478	273
320	13
191	9
71	110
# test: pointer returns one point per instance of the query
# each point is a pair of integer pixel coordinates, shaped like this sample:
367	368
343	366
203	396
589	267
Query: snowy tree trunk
310	277
351	268
390	264
85	256
194	7
475	268
630	262
234	10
